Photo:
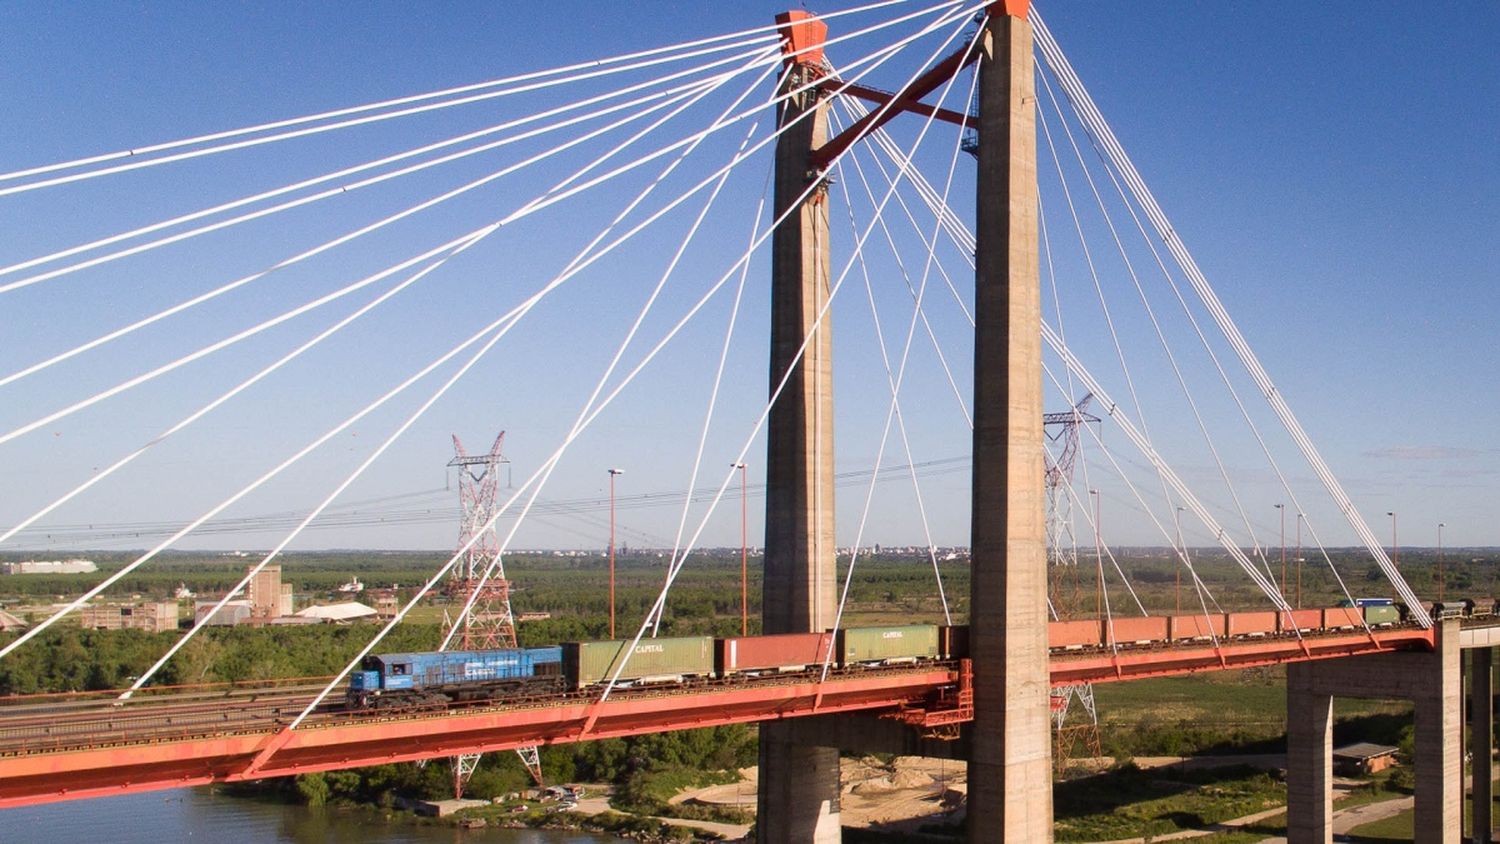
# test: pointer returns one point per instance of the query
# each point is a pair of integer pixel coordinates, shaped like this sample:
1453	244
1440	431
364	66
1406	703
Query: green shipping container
901	643
593	663
1382	615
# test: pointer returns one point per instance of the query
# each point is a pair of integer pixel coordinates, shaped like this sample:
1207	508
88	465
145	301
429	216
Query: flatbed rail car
438	676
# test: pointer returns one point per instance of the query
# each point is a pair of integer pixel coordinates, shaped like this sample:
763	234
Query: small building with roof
1362	759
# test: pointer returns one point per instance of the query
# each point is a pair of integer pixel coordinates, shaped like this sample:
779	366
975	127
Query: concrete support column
799	783
1309	758
1439	745
1010	766
1481	740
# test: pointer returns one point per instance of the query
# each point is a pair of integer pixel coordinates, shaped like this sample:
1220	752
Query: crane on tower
1062	562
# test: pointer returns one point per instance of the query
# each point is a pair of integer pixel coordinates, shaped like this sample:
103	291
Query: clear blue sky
1332	167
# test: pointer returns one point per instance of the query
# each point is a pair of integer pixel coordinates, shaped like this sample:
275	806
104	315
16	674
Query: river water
195	814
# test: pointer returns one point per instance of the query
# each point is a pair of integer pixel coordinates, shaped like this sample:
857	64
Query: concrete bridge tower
1010	785
799	783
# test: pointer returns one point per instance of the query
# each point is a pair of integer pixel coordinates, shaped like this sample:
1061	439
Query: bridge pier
799	782
1481	741
1434	684
1010	760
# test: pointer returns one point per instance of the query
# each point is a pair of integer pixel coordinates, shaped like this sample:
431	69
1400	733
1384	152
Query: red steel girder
880	98
118	763
908	99
1136	663
32	778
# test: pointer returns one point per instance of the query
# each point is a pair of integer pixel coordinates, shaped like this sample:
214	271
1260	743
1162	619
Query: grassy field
1133	802
1223	711
1399	827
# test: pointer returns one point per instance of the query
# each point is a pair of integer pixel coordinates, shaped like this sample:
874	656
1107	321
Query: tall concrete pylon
1010	766
799	784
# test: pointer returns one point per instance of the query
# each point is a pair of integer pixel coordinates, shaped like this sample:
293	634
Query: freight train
425	679
437	678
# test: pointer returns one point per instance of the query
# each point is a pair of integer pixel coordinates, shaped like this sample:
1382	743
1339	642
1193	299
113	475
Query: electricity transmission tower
1062	562
477	584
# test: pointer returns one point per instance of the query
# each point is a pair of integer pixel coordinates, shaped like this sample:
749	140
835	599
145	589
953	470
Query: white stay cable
893	411
903	167
651	87
497	567
359	121
1144	446
98	476
874	60
728	476
689	94
1109	320
680	50
887	146
684	100
370	460
767	33
766	53
837	285
1089	112
1156	326
929	264
133	565
137	164
896	378
1213	355
713	395
1140	500
883	55
503	324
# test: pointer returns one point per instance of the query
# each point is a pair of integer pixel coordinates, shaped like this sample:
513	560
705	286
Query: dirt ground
904	794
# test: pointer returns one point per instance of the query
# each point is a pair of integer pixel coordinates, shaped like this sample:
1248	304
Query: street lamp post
1177	569
1281	508
1440	560
744	554
613	473
1395	545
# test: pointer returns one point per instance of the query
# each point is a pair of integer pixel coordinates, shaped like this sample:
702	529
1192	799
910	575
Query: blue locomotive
438	677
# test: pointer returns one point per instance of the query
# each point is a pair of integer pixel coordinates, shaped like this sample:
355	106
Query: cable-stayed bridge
827	152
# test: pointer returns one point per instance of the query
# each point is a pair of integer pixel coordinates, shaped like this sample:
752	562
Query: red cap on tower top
1013	8
802	37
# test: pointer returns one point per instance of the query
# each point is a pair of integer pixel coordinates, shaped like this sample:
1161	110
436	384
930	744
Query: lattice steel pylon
1062	563
478	582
